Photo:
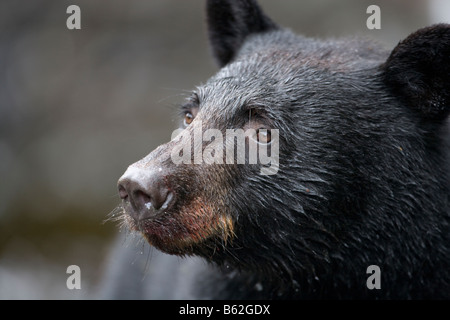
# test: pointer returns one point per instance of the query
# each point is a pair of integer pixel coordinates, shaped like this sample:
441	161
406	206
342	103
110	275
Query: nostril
123	194
159	194
142	199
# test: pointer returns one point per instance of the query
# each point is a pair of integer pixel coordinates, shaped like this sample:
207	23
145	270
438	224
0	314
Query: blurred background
78	106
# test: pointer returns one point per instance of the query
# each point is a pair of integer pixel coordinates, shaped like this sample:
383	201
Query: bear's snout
146	191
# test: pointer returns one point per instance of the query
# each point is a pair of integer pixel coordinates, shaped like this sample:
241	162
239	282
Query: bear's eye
263	136
188	118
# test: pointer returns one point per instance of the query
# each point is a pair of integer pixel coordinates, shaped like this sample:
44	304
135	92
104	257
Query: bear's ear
230	22
418	70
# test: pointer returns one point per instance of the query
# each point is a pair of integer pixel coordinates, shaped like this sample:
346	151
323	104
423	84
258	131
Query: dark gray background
77	107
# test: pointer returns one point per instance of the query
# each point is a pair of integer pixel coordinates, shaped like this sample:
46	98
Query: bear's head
356	138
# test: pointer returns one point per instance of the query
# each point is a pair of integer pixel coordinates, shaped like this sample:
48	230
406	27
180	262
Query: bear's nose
146	191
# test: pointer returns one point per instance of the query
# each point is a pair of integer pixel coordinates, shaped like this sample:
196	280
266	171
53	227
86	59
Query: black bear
358	177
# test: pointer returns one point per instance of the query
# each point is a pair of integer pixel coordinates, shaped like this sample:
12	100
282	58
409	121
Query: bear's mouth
180	232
